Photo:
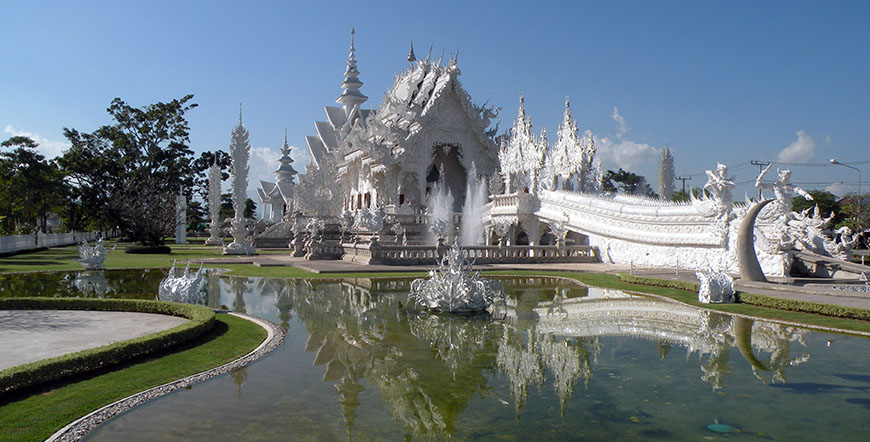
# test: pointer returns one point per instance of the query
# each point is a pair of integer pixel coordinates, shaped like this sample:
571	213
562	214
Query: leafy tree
201	166
196	216
227	207
681	195
826	201
132	170
30	186
856	213
626	182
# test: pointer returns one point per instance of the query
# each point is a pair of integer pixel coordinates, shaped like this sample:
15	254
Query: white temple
277	198
393	156
428	143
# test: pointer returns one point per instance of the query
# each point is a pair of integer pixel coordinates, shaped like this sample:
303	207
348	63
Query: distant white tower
666	174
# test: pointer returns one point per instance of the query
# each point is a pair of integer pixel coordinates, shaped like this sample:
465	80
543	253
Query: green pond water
557	362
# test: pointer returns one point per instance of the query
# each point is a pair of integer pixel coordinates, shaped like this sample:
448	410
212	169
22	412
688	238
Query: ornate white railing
428	255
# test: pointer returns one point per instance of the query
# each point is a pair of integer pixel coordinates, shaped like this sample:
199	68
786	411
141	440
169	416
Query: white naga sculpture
716	287
214	203
185	288
240	151
92	258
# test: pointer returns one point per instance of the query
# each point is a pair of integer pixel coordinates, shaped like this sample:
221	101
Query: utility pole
761	165
683	179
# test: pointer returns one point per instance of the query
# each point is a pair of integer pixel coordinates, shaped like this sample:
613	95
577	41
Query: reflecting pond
557	362
138	283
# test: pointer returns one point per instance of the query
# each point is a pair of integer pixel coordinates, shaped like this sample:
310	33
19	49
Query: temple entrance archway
447	170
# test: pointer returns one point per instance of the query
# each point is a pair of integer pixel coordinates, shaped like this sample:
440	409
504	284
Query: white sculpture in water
214	203
454	288
716	287
92	258
240	151
185	288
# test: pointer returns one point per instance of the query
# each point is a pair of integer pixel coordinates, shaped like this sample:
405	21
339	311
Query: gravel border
79	428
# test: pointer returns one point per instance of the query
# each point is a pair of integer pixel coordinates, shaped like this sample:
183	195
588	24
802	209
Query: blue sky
723	81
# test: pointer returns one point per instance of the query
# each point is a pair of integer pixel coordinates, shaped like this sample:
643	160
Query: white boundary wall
15	243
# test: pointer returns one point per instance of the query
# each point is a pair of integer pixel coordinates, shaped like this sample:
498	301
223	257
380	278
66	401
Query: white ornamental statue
214	204
240	151
716	287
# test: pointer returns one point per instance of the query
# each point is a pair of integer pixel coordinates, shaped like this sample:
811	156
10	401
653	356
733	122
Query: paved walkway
33	335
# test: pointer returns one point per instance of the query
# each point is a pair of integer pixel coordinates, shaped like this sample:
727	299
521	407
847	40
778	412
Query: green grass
35	416
64	258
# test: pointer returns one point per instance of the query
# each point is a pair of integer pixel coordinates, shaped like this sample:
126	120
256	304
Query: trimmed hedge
148	250
818	308
660	282
201	320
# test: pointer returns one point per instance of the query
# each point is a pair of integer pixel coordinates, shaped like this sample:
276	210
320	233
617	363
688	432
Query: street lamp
837	163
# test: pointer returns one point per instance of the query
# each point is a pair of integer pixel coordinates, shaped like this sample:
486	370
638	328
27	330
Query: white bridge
699	234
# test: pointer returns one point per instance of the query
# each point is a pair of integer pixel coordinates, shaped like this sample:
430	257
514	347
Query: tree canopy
132	170
30	186
627	182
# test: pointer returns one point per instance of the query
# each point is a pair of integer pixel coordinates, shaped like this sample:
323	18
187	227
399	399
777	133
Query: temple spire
285	172
240	114
411	57
351	95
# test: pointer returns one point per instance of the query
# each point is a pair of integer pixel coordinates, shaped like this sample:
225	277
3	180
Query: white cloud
840	189
801	150
48	148
622	126
619	152
640	158
264	161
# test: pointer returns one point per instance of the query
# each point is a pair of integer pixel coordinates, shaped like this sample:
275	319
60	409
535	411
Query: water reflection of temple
581	322
427	369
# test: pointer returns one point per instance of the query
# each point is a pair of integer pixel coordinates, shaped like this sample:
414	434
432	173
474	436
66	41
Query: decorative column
180	219
214	204
240	151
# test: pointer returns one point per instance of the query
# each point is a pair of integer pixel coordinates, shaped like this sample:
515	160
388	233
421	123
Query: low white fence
428	255
16	243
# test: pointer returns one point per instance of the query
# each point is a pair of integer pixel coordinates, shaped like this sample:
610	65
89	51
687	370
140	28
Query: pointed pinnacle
411	56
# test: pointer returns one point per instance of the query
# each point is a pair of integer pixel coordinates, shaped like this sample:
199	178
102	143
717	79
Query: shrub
148	250
818	308
659	282
201	320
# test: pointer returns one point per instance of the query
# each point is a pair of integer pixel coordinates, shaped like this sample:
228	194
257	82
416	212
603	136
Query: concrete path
32	335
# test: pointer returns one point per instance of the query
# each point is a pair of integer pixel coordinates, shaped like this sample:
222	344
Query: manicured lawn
65	258
35	416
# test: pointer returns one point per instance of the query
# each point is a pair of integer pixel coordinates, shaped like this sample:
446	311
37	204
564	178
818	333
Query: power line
683	179
761	165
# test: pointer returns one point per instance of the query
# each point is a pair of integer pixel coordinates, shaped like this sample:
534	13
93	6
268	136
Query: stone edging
79	428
